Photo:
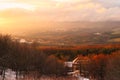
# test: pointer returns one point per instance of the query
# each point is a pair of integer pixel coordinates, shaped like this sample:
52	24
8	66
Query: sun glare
62	0
4	6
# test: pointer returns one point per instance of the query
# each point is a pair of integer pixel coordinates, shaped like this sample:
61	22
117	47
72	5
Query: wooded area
26	59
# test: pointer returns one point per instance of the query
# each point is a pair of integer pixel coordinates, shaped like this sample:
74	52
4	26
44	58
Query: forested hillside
25	59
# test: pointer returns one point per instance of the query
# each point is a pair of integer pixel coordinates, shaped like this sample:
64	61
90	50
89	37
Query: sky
17	12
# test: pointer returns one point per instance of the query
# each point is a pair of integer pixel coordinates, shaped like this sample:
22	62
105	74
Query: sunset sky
13	12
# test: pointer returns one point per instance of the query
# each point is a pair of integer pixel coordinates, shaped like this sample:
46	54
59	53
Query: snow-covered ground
82	78
9	75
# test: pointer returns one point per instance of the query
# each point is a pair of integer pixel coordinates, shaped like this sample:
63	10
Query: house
77	67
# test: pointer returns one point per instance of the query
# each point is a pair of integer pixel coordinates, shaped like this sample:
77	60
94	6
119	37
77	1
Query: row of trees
101	66
71	52
24	59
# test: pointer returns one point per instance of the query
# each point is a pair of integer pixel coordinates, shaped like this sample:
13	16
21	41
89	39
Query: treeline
71	52
24	59
101	66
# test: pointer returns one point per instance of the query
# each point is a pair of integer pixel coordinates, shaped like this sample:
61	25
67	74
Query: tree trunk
3	74
17	75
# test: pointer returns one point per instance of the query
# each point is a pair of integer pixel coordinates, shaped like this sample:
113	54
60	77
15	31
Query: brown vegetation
24	59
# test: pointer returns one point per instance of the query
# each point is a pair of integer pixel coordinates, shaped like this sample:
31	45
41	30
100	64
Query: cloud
65	10
108	3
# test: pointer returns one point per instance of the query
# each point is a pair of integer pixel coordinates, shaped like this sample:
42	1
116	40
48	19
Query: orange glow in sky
29	13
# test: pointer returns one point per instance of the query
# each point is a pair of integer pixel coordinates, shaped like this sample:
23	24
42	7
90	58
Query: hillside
75	33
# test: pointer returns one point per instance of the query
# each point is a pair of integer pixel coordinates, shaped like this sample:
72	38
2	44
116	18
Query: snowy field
10	75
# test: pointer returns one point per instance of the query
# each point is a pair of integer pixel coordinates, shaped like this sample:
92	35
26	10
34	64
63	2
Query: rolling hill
76	33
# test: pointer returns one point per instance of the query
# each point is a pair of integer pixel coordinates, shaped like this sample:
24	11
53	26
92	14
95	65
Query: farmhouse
77	67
